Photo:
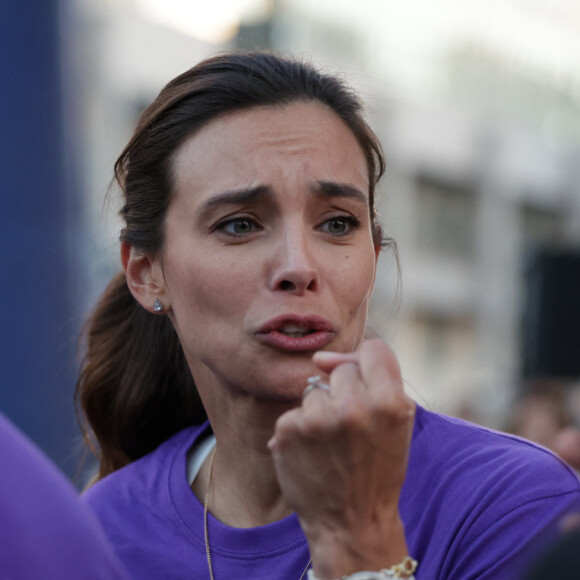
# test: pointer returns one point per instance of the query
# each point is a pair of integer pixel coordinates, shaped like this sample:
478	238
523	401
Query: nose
294	265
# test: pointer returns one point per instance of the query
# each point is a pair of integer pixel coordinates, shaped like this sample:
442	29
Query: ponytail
135	388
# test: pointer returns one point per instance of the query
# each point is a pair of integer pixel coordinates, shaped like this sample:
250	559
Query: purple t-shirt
476	504
45	530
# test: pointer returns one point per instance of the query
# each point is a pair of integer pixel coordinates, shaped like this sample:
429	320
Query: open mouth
295	331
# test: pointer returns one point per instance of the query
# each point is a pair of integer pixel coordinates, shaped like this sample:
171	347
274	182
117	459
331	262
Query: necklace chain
205	523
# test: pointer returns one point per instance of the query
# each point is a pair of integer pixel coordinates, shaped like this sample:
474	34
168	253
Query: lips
297	333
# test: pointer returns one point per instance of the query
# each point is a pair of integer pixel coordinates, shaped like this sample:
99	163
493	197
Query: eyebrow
238	196
330	189
324	189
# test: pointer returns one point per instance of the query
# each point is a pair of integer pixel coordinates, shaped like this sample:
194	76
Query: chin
288	391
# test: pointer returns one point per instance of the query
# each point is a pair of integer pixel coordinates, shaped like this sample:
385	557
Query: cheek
208	287
353	278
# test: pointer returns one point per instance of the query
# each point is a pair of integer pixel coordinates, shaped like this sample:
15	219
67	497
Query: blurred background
478	107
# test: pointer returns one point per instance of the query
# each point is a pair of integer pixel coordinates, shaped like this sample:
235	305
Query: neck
244	490
241	497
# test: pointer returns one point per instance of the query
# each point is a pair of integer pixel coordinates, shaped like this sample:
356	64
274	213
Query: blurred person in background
45	531
545	414
245	428
561	560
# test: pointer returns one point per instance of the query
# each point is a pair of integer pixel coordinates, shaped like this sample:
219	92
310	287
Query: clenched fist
341	460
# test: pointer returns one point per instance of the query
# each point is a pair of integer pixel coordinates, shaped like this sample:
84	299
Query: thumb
327	361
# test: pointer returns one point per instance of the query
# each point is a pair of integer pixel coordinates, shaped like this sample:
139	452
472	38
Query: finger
313	384
324	412
315	398
327	361
286	425
379	366
381	373
346	381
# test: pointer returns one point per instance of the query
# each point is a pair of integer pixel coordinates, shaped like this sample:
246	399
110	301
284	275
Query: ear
378	249
378	239
144	277
378	246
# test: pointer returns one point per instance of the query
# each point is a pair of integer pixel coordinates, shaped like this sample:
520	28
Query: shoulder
478	462
143	482
479	473
494	499
483	454
150	499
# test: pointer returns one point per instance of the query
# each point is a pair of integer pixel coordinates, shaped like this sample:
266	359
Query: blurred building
481	131
482	139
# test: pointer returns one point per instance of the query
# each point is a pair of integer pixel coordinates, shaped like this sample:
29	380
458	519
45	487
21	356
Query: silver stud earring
157	306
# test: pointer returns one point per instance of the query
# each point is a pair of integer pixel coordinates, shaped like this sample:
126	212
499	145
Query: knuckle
315	428
346	371
285	429
380	365
374	348
353	413
396	408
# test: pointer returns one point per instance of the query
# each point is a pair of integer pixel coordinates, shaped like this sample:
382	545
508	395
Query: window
446	218
541	226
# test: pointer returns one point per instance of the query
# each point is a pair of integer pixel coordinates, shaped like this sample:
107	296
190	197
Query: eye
238	226
340	225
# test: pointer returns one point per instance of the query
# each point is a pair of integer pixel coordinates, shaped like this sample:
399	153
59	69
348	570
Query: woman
249	255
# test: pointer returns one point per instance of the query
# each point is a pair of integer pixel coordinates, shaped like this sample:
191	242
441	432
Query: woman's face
268	252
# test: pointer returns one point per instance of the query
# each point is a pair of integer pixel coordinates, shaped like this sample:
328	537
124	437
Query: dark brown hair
135	388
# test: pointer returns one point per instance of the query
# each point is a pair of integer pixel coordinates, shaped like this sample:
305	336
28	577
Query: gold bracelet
406	567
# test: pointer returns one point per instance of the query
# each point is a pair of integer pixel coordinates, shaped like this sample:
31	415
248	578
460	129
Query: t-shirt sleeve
501	546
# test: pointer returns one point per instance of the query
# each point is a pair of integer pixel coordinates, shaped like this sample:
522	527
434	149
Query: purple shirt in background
476	504
46	533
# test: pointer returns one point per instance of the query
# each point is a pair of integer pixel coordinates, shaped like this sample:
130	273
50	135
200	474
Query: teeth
294	330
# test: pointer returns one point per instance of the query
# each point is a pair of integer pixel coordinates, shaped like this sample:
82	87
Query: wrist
336	553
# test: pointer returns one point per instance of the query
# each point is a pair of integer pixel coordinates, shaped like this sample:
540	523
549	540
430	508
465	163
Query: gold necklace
205	526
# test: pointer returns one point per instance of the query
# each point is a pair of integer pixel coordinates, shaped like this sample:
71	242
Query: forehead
300	141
